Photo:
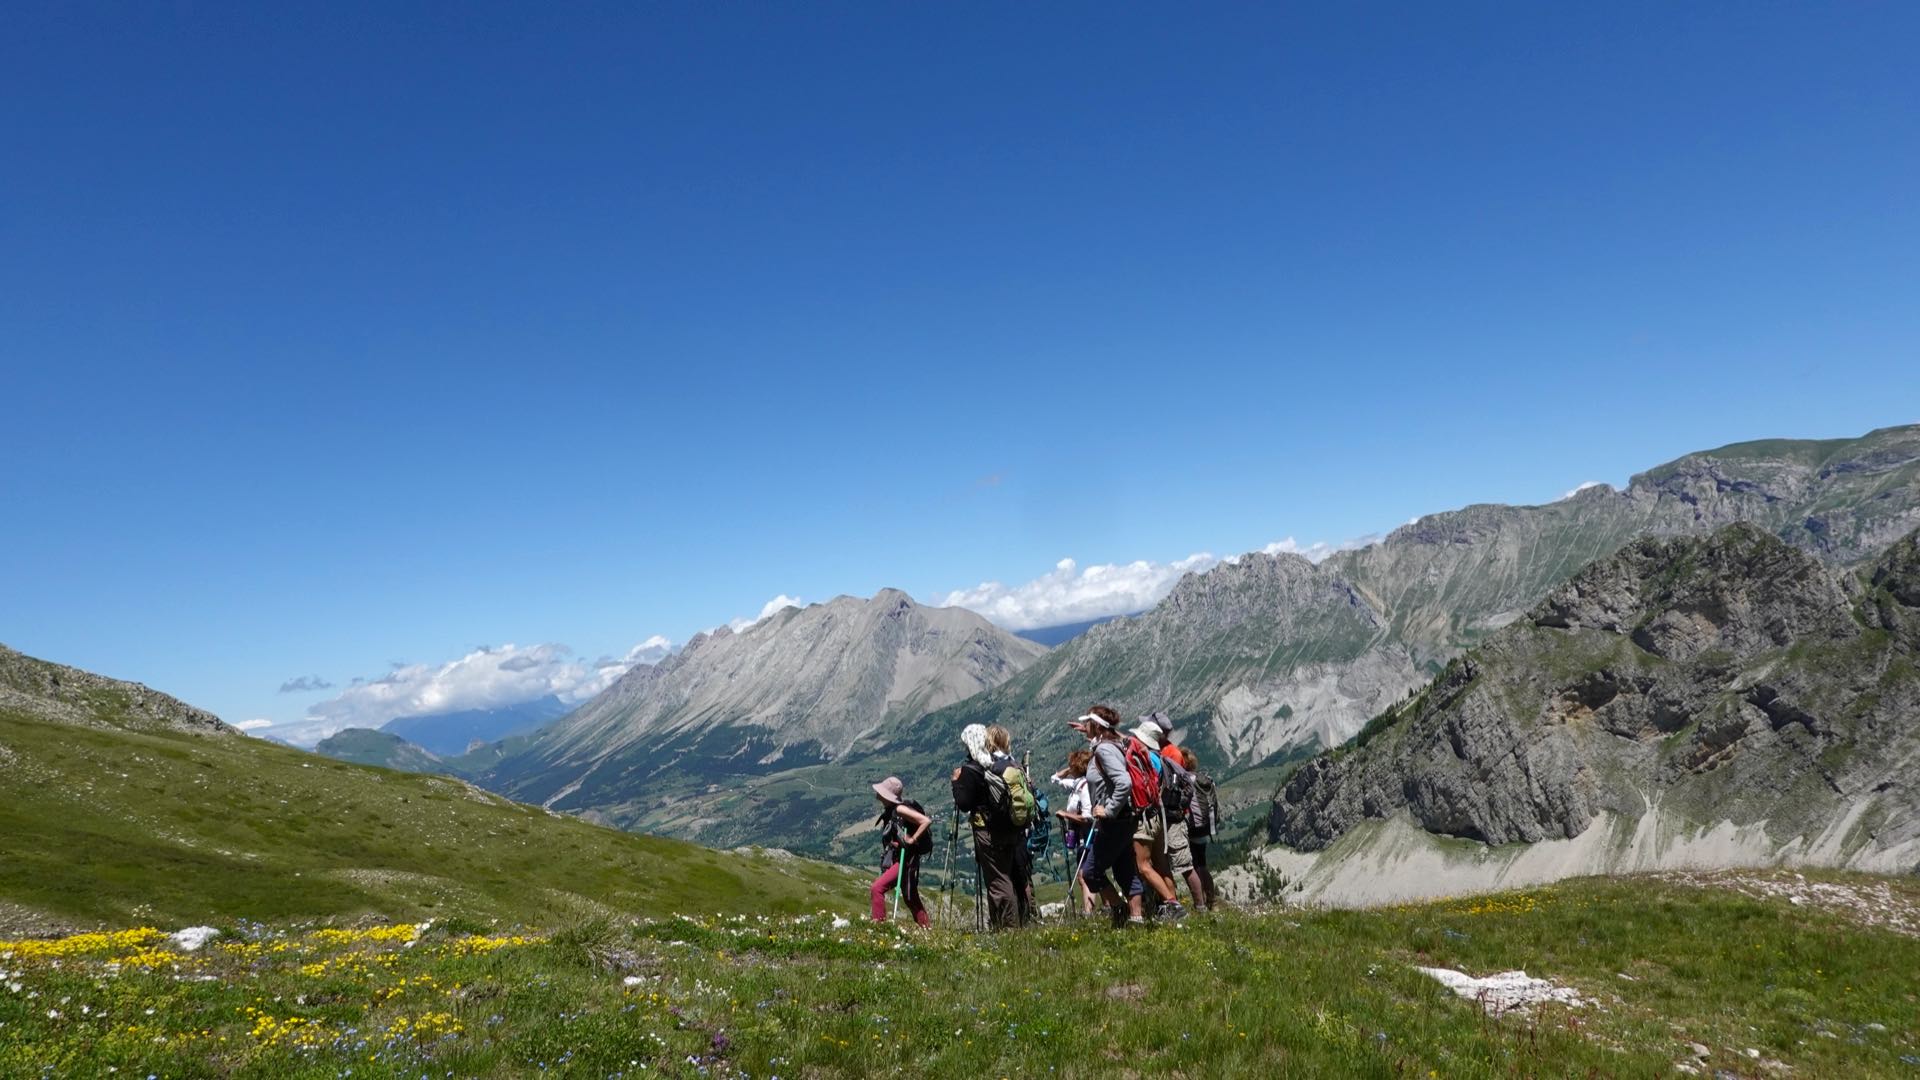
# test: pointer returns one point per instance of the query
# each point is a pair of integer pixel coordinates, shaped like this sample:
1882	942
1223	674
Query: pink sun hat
891	789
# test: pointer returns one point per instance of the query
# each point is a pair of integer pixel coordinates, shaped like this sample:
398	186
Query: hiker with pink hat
906	837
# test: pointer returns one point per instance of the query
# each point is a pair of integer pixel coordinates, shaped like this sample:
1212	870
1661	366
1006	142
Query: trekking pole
946	876
979	901
899	878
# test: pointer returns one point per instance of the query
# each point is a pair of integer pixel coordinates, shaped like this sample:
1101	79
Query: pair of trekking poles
1069	866
946	881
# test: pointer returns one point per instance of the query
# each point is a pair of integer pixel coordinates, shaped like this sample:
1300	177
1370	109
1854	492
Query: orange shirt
1172	753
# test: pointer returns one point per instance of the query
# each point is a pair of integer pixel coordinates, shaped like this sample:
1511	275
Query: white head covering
974	738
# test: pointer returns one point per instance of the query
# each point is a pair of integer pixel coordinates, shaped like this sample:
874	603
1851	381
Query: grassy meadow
1764	987
108	826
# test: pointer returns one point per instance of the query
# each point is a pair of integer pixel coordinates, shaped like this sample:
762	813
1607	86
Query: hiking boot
1134	921
1172	911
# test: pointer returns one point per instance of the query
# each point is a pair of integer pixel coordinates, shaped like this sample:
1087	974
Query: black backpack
1203	814
1176	797
894	832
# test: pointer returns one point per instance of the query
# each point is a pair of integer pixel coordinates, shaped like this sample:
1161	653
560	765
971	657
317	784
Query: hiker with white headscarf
996	839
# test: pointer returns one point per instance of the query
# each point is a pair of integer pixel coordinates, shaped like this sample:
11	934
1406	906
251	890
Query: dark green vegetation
124	805
1762	986
364	746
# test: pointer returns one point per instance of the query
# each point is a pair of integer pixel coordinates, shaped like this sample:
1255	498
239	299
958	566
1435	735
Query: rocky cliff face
68	695
1724	700
1271	651
794	690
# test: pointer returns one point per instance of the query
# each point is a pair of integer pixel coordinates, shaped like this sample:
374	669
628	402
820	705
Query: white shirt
1078	801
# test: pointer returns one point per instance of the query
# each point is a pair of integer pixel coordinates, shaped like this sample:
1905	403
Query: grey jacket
1107	782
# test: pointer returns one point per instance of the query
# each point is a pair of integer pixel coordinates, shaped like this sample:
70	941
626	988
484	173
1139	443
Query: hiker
1203	818
1110	795
1175	859
905	838
981	791
1076	820
1150	825
1000	750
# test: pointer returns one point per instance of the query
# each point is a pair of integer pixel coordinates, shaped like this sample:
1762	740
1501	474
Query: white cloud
1319	549
490	677
1072	594
253	725
767	611
1577	490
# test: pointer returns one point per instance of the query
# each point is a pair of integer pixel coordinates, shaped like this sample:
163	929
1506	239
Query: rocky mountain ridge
1725	700
55	692
798	688
1269	653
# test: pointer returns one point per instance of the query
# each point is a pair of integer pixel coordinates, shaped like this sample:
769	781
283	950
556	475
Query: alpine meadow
795	543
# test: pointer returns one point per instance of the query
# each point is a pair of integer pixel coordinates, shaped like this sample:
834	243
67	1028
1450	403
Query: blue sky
369	334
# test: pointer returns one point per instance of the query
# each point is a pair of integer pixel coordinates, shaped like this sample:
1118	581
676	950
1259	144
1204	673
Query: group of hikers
1138	817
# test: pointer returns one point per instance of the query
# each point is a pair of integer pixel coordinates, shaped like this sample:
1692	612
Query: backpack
996	815
895	832
1040	831
1143	775
1176	794
1203	811
1020	804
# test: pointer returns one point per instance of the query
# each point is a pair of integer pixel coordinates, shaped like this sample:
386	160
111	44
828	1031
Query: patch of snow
1505	991
192	938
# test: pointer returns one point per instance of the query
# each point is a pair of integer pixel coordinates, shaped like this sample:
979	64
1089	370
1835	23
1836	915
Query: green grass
105	825
1280	994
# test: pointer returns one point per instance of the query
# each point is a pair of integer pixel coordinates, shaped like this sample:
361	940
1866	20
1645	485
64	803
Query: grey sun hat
892	790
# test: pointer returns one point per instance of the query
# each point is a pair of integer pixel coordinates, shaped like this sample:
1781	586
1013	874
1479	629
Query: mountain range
446	734
655	750
772	735
1269	653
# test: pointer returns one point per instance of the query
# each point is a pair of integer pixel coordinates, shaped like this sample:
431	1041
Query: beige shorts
1147	829
1178	851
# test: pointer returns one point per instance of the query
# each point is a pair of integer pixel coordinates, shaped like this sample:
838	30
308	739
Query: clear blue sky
368	333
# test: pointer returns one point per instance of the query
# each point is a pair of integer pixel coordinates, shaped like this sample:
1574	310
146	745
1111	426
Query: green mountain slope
125	805
365	746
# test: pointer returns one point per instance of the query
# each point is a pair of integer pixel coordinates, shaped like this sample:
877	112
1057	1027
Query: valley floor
1745	975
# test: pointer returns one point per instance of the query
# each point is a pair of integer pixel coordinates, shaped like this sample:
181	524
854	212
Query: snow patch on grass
1504	992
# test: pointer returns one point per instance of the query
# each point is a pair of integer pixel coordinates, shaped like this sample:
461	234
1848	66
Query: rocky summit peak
800	688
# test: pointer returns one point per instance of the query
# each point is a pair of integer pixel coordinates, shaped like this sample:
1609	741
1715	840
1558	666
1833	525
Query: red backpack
1142	776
